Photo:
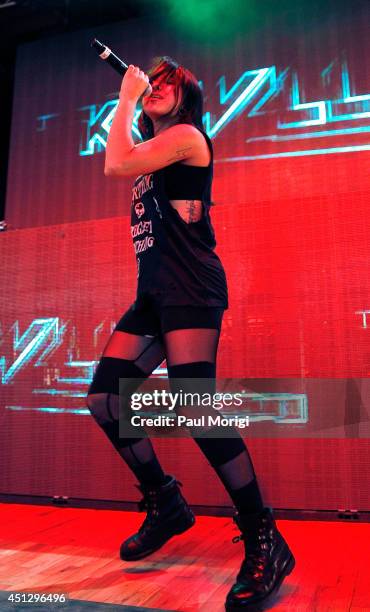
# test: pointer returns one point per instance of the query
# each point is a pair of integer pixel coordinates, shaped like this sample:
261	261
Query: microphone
113	60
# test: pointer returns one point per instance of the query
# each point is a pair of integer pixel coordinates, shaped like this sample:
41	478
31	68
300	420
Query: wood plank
75	551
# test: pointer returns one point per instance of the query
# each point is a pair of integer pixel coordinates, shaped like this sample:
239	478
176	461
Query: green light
213	21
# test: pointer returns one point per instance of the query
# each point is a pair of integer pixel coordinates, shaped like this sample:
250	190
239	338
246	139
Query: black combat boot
168	514
268	560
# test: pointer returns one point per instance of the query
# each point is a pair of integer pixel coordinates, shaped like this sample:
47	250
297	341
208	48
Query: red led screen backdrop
288	110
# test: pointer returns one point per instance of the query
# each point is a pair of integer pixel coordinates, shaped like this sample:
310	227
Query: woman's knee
110	371
103	407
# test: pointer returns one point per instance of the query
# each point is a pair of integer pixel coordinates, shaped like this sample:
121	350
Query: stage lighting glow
213	20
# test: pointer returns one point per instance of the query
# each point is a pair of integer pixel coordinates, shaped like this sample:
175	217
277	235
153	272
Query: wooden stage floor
47	549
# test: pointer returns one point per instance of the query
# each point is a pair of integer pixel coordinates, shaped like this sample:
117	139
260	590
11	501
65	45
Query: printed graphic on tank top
176	261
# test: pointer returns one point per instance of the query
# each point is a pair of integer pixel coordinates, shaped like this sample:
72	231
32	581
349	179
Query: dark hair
191	108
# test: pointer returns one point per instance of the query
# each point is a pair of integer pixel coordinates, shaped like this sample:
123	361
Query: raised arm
123	157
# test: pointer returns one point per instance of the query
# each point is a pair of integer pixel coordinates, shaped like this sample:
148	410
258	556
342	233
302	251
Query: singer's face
162	99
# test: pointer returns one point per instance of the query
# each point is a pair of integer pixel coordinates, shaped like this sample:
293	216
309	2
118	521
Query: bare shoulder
190	145
185	131
199	154
185	128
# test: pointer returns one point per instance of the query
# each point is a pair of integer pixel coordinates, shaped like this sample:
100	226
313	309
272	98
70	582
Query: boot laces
257	553
149	503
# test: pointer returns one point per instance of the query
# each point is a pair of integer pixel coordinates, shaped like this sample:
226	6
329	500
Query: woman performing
177	316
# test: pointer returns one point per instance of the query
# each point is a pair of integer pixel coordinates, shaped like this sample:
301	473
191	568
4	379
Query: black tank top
176	260
182	182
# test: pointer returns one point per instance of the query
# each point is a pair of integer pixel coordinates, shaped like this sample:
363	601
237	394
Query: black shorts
146	317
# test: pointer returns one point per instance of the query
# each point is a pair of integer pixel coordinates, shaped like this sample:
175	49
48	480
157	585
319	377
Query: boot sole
257	606
147	552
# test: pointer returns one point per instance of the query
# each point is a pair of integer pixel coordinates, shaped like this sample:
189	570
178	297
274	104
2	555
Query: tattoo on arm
180	154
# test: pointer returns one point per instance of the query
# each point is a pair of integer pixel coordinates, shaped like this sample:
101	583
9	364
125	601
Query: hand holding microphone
134	79
135	84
